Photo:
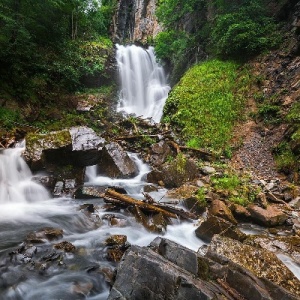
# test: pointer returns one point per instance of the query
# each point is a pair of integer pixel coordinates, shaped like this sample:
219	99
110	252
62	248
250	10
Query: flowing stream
144	89
27	207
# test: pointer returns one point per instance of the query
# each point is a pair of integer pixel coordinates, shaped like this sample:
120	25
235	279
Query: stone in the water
115	162
65	246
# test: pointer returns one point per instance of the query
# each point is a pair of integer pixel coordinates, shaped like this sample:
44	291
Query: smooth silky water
26	207
144	88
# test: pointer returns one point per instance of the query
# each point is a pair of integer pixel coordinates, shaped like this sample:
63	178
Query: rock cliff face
135	21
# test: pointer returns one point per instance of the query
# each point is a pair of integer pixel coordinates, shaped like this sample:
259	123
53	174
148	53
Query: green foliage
206	103
287	153
228	182
200	196
244	31
238	189
41	43
8	117
177	46
269	112
286	161
293	116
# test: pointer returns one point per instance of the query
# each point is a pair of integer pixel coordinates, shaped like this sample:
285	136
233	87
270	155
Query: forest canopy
43	43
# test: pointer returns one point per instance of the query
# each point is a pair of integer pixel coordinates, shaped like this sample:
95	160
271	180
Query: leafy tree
41	42
244	32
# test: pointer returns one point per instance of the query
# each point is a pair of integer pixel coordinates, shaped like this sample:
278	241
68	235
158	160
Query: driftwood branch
168	211
131	201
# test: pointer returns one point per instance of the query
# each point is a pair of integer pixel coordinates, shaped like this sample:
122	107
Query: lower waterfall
144	88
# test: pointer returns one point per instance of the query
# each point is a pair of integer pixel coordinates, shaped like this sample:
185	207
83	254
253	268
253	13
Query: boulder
154	277
79	146
166	270
215	225
261	262
270	216
44	235
174	174
115	162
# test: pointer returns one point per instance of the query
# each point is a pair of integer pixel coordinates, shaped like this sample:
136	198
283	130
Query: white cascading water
15	179
144	88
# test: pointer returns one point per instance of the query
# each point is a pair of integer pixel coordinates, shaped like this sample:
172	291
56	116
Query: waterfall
16	185
144	89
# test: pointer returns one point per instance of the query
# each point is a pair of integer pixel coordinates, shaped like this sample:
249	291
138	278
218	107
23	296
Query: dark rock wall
135	21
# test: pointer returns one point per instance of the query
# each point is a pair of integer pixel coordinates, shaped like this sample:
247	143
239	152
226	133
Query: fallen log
167	211
131	201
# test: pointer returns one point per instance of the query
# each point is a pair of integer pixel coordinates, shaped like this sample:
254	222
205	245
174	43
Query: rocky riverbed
231	263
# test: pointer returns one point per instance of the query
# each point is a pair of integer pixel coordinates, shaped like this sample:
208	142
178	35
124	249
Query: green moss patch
206	104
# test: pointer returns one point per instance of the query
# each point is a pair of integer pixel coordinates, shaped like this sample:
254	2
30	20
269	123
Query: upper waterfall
144	89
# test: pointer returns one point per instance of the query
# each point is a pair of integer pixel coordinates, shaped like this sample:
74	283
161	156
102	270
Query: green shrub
8	117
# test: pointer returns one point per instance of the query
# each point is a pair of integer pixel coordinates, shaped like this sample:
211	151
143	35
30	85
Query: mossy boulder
79	146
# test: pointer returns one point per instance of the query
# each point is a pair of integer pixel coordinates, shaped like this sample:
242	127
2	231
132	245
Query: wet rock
87	192
115	162
58	189
81	288
179	273
47	181
218	208
108	274
85	146
154	223
117	245
262	200
118	240
155	176
94	191
115	220
215	225
295	203
135	21
271	216
179	255
260	262
159	153
150	188
153	277
46	234
65	246
89	208
195	206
